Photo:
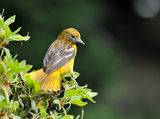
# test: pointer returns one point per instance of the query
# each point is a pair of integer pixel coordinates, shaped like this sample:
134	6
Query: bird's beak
79	40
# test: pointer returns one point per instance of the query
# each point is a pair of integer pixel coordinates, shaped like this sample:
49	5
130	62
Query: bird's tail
48	82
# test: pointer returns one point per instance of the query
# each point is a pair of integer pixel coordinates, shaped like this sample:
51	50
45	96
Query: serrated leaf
10	20
16	31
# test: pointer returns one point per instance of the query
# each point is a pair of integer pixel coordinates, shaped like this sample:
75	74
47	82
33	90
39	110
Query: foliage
6	35
20	96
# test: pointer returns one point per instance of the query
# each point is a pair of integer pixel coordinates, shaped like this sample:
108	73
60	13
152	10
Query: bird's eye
73	36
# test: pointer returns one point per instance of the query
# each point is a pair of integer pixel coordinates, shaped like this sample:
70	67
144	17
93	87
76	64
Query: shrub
21	98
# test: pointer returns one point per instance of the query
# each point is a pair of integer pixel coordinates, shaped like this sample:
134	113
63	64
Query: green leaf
29	81
76	74
56	101
15	70
3	103
0	16
86	93
17	37
8	55
67	117
15	57
72	92
5	93
2	23
34	106
92	94
21	103
10	20
36	86
3	68
7	31
23	96
27	68
66	75
2	35
1	98
15	116
13	105
78	102
16	31
44	92
43	111
22	63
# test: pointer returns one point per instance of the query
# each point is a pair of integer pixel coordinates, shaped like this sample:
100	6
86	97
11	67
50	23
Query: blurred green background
120	59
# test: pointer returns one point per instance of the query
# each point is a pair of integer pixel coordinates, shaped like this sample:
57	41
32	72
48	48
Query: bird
58	60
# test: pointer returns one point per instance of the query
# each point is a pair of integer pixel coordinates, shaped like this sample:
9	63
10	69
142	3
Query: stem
82	115
78	117
2	53
64	111
65	81
2	12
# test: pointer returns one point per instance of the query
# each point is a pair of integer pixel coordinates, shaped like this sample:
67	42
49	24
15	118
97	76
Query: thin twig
78	117
82	115
2	12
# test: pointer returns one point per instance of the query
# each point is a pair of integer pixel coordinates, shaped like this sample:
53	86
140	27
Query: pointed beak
79	40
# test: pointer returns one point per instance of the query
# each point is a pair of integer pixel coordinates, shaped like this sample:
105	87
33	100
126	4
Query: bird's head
71	35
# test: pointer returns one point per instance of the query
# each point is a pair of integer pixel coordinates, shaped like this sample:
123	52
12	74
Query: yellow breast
68	68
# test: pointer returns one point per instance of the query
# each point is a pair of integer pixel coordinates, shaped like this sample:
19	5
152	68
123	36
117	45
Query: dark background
120	59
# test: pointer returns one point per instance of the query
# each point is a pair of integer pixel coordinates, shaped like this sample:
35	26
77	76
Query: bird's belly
67	68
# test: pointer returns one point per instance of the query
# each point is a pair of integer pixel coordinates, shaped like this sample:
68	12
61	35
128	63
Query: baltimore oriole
58	60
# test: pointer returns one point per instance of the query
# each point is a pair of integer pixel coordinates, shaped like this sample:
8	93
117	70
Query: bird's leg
75	82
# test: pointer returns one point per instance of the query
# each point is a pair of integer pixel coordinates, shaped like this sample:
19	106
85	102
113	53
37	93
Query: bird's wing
57	57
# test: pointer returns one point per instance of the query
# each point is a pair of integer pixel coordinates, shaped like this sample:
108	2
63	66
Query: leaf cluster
6	35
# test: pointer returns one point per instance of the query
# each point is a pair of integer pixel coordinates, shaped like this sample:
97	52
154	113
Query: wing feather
56	57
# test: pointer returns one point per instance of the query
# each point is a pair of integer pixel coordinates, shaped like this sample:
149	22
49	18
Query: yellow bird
58	60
